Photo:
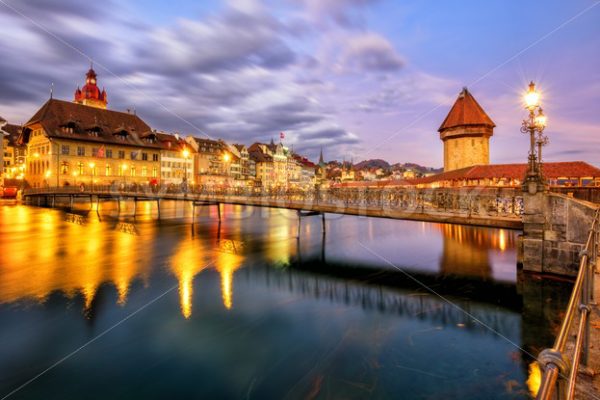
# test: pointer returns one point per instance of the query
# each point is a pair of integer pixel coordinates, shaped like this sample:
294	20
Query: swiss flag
281	135
100	152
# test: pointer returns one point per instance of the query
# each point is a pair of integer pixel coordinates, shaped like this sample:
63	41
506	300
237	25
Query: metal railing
560	374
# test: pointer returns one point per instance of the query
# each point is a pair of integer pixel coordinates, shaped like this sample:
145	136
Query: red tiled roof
552	170
57	113
466	111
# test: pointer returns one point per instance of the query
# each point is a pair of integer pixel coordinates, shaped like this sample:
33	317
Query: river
97	306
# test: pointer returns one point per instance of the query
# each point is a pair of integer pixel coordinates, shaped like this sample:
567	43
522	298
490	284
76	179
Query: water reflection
257	300
78	257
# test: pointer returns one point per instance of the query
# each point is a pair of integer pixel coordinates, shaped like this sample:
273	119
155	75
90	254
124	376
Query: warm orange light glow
227	264
532	97
92	165
186	153
124	167
187	262
226	157
535	378
36	155
48	173
541	119
502	240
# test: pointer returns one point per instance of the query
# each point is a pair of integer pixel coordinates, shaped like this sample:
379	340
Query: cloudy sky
362	78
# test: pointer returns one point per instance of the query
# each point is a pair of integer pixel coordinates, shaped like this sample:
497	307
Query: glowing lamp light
532	97
36	155
226	157
186	153
92	165
48	173
540	119
124	167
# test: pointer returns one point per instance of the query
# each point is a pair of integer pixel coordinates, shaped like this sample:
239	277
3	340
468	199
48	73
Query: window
155	157
121	154
154	172
134	155
94	152
64	150
108	170
80	168
145	156
132	171
64	168
144	171
108	153
80	151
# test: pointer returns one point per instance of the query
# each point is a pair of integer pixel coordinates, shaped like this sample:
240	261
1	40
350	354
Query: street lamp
532	125
186	154
124	170
92	169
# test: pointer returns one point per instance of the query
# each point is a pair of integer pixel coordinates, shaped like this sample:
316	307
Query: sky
361	79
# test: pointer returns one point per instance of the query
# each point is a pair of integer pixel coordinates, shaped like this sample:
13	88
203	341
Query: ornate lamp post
534	125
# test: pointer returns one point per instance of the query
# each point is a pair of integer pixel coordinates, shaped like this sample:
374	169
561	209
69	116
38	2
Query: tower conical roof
466	111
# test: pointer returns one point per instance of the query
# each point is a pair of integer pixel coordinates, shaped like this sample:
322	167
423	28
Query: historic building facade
466	132
176	159
83	143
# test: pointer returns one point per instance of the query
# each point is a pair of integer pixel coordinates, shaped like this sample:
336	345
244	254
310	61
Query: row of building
82	142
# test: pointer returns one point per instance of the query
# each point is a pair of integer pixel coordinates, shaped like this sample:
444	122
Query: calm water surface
257	307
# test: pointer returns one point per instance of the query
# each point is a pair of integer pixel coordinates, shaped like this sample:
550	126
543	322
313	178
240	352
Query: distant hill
415	167
373	164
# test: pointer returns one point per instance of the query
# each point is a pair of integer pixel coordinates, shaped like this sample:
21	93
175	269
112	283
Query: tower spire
90	94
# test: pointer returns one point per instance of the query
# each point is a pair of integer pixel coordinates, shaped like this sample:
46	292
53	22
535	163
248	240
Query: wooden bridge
490	207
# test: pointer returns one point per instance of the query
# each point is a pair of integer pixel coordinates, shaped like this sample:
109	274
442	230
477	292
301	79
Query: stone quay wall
555	228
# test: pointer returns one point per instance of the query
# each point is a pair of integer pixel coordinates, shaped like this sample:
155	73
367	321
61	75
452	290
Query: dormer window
150	137
94	130
69	127
121	133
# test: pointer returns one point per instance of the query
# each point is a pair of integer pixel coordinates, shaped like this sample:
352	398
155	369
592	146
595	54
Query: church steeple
321	161
90	95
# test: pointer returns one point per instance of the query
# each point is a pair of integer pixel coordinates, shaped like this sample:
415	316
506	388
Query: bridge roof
466	111
552	170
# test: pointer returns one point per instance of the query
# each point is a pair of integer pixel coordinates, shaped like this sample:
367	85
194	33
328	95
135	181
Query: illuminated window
80	168
132	171
64	168
144	171
154	172
108	170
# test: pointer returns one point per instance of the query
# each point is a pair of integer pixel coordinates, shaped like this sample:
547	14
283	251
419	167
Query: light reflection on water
315	312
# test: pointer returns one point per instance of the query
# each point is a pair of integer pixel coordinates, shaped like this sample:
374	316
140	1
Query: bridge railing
560	373
504	202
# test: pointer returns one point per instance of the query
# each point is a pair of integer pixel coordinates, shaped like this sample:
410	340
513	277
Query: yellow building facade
75	144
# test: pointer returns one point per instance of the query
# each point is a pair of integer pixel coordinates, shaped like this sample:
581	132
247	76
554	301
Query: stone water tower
466	133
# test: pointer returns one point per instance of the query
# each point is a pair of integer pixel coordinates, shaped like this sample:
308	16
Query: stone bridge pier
555	228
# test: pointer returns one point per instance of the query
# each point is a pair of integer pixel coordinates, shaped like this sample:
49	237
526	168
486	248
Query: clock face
93	81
